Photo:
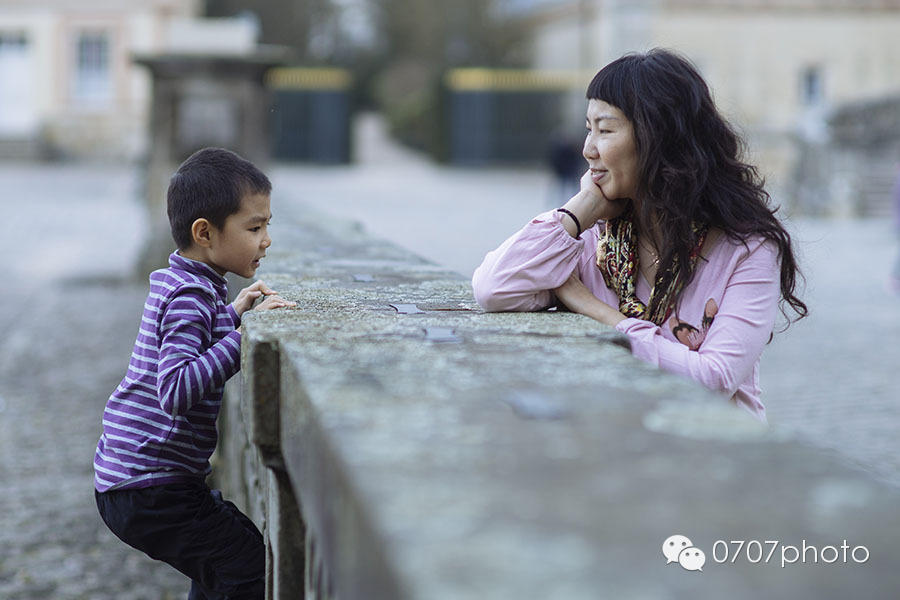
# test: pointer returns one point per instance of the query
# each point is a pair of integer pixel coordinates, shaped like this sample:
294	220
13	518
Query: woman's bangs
611	85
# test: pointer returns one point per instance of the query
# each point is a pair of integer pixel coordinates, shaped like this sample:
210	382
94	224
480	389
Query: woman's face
610	151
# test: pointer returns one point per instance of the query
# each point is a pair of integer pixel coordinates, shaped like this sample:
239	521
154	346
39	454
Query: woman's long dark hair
689	161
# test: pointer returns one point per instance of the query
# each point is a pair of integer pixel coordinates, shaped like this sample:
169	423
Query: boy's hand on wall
247	296
274	301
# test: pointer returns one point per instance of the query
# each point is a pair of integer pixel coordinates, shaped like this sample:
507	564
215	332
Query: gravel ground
64	349
68	317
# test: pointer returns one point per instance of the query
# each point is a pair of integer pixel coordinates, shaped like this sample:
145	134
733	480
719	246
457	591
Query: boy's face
241	243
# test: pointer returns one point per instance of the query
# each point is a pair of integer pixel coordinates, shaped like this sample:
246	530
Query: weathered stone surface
533	456
63	351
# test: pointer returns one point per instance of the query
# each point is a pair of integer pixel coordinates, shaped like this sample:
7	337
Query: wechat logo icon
678	548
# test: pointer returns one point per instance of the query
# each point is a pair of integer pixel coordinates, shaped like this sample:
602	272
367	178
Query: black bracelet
574	218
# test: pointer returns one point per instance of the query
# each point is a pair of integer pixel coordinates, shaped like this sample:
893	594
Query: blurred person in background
670	239
567	164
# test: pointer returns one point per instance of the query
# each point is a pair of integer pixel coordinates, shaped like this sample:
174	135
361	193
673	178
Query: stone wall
853	167
394	441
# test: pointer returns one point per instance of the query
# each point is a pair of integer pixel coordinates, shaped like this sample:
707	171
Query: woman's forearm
578	298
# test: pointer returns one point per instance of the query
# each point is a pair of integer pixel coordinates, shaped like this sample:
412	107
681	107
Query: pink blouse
722	322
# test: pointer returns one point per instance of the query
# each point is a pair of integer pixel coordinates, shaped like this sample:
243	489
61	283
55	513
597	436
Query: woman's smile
597	176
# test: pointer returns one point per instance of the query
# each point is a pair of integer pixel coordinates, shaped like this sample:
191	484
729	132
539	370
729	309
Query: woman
670	239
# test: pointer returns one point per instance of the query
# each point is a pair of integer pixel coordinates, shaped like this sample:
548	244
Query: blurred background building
68	86
779	69
812	84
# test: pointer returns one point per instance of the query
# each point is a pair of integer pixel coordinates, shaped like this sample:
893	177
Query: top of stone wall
455	454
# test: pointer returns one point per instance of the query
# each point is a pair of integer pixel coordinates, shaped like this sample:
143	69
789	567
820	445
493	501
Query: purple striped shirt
159	425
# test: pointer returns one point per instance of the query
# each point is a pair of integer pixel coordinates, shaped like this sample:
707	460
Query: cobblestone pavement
831	379
68	317
70	313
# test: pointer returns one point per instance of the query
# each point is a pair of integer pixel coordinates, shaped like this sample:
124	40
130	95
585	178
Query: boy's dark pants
193	529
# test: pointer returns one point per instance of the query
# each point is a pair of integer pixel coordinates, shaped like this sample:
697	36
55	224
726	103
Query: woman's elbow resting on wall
718	377
493	301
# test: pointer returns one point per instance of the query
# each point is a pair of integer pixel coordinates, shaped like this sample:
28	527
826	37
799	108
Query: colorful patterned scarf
617	259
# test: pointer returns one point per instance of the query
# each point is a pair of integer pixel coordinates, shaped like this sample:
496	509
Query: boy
159	425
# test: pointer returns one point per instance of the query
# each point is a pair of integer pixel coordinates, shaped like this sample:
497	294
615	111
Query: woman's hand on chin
591	205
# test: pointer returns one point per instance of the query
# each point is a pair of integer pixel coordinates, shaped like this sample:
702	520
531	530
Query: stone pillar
199	101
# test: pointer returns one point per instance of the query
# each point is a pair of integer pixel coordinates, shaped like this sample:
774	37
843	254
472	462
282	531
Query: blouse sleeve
190	363
737	336
519	275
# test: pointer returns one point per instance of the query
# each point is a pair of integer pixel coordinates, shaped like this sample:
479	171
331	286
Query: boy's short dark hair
210	185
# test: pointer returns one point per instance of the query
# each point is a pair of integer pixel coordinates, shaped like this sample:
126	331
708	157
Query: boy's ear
201	232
